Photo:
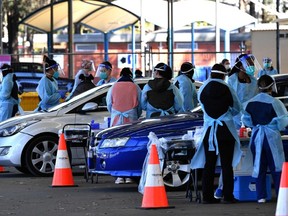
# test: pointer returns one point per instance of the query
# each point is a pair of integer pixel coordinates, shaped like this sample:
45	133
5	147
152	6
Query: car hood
172	125
27	117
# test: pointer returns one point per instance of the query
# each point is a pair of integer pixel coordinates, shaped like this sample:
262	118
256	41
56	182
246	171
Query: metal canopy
99	15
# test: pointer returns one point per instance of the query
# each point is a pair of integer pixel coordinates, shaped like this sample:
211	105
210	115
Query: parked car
121	150
29	142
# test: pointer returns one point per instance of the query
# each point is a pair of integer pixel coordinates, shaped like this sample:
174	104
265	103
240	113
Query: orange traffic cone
63	173
154	190
282	207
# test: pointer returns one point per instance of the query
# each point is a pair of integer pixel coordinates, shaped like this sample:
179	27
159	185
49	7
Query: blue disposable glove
63	94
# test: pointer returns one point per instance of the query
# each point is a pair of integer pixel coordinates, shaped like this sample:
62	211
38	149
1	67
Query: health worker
159	96
9	101
267	68
185	83
104	72
267	116
243	81
219	140
47	88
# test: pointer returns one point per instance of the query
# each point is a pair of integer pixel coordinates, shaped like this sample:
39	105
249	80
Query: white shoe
262	201
128	180
119	181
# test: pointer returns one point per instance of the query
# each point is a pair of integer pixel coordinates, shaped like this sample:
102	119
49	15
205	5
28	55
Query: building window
86	47
186	46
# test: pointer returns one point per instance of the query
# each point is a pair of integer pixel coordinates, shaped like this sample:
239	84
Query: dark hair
224	60
48	62
107	63
126	72
265	83
164	70
187	66
7	68
218	67
237	65
138	72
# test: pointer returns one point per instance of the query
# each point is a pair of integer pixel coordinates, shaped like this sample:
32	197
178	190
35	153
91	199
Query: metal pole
217	31
277	41
192	42
50	34
70	38
142	31
1	27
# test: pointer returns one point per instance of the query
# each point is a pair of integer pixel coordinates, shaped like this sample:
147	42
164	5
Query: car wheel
41	155
176	173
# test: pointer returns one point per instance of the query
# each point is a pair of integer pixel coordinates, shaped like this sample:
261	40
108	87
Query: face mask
56	75
267	65
227	67
250	70
103	75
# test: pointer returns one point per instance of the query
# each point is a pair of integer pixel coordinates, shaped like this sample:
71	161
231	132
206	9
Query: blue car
121	150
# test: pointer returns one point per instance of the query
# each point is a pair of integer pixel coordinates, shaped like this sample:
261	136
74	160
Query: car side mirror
90	106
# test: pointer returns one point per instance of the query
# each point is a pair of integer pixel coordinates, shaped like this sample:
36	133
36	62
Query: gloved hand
63	94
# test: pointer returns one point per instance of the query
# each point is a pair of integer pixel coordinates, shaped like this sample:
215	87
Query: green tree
14	11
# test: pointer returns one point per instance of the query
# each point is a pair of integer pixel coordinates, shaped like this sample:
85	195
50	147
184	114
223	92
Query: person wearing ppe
242	80
86	83
219	103
185	83
267	68
104	71
86	68
123	103
226	64
267	116
47	88
9	101
159	96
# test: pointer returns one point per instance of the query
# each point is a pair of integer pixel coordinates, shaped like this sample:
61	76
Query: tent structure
107	17
99	15
186	11
95	14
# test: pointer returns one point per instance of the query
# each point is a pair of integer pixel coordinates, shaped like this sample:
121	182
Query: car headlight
9	131
117	142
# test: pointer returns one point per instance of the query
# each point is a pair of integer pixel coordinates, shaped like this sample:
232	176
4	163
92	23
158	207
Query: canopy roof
186	11
95	14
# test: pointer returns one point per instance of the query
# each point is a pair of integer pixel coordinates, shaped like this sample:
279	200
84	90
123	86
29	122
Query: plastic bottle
242	131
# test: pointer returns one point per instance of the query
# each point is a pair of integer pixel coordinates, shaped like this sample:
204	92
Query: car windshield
79	97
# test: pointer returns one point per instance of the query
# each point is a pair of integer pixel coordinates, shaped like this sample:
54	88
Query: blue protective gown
270	130
102	81
188	92
150	109
198	161
48	92
267	72
123	102
244	91
7	102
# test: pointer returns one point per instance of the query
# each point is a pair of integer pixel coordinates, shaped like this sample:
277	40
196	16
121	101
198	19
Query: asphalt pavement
25	195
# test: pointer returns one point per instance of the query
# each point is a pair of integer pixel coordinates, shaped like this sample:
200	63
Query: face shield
102	69
57	70
250	64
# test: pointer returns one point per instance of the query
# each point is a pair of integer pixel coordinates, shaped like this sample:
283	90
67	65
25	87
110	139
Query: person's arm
178	101
144	97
